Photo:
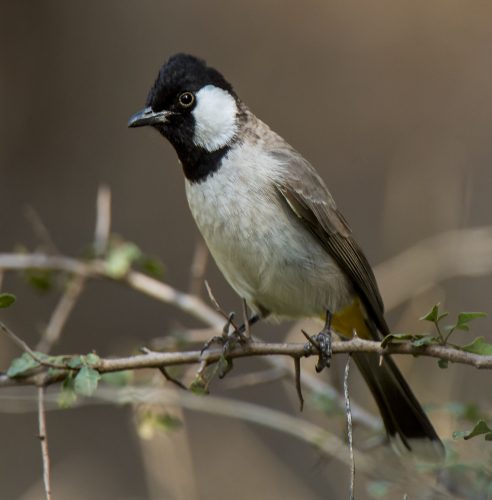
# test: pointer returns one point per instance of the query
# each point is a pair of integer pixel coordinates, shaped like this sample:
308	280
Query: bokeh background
391	101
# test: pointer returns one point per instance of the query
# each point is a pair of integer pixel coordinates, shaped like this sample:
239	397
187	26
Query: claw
321	343
228	341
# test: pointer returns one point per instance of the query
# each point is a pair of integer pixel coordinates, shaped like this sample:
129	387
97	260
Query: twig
40	229
165	373
103	220
198	267
60	315
297	370
348	413
43	438
460	252
20	343
228	317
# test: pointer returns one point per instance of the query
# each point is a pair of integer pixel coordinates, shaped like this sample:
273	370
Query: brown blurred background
391	101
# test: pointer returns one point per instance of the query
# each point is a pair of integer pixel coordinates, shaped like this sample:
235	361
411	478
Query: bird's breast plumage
267	256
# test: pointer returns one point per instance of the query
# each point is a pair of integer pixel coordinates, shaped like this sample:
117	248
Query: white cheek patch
215	118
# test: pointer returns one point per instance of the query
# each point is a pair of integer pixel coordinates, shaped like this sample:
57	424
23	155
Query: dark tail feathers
402	414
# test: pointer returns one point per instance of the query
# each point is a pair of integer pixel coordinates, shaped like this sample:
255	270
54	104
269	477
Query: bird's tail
406	422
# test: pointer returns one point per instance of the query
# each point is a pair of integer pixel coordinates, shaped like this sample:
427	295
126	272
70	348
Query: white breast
262	249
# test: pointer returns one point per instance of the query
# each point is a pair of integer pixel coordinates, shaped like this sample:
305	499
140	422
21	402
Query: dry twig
43	438
348	413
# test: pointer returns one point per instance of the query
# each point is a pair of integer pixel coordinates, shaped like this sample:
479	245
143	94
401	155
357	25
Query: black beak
148	117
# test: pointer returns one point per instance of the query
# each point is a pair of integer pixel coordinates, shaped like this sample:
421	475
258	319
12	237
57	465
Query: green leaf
21	365
326	404
465	317
478	346
121	258
41	279
396	338
76	362
151	266
86	381
423	340
120	379
199	386
468	411
480	428
378	489
150	422
443	363
168	422
6	300
67	396
92	359
433	315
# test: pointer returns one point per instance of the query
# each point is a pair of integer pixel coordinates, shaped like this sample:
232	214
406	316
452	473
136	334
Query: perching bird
273	228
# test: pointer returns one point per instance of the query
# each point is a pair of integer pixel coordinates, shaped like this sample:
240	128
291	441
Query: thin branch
138	281
165	373
460	252
43	438
40	229
294	350
348	413
23	345
60	315
103	220
228	317
198	267
297	370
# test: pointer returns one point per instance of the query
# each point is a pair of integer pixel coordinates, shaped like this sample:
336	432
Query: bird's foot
229	340
320	344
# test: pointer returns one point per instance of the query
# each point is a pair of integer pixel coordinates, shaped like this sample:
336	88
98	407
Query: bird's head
192	105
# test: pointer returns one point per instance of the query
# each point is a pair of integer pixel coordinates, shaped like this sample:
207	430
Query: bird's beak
148	117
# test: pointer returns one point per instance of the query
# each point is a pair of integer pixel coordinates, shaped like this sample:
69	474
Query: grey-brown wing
307	196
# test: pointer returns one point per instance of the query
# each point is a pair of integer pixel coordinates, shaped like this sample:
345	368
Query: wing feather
309	199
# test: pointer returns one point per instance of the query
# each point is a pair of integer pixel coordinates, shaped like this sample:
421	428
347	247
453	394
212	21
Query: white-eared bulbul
274	229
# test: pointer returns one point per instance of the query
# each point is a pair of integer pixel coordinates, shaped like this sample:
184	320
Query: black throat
198	163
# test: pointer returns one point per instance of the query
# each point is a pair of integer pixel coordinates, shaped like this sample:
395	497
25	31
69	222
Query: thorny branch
43	438
80	271
254	348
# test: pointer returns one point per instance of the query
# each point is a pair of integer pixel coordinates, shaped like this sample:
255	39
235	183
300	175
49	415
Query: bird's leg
220	339
246	327
229	339
321	343
246	319
238	335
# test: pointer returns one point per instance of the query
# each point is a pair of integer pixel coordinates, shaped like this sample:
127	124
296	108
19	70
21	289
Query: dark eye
186	99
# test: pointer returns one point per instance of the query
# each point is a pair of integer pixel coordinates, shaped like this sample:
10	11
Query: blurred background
391	101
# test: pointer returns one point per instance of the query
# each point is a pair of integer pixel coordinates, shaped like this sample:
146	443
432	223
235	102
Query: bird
274	229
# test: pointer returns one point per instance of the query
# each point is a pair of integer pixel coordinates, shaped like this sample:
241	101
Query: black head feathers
181	73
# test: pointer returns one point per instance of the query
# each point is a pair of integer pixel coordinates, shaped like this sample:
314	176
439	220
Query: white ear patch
215	118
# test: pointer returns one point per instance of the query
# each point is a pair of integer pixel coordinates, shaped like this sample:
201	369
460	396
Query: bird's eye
186	99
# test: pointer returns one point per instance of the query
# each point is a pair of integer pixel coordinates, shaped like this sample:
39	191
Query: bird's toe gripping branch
320	344
228	340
